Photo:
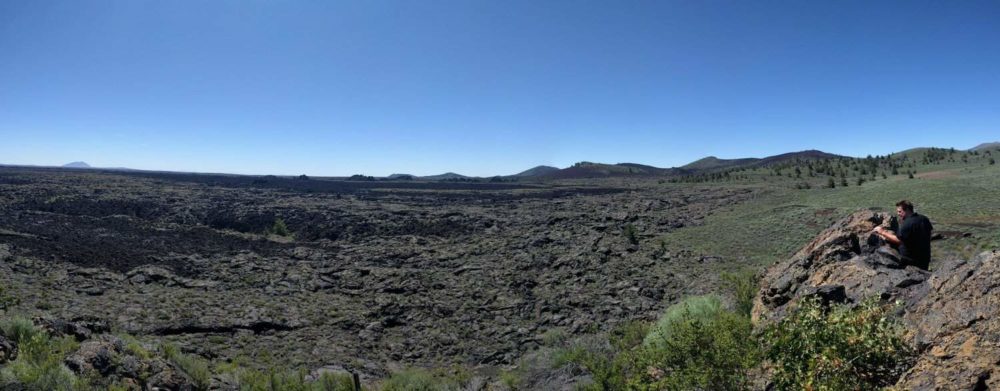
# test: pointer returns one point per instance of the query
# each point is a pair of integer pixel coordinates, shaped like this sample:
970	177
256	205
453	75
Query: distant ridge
711	162
537	171
602	170
641	168
986	146
811	154
76	165
447	175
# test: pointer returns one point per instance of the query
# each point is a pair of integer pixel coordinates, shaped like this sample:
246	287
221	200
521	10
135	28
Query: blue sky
487	87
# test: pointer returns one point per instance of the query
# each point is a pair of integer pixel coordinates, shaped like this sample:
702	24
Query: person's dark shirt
915	240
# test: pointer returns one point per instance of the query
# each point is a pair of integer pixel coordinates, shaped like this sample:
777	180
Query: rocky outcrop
105	357
952	315
957	327
80	328
8	350
149	274
96	355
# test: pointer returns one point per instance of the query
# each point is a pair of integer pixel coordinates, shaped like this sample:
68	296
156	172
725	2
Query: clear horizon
485	88
445	172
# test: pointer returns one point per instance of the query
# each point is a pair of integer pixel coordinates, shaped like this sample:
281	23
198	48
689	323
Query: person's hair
906	205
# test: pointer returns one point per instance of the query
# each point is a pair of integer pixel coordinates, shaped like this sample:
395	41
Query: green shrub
511	379
743	287
279	228
18	329
837	348
117	386
50	375
628	335
697	345
7	300
419	379
605	366
694	308
334	382
411	380
282	380
631	234
195	367
134	347
610	360
274	379
39	364
554	337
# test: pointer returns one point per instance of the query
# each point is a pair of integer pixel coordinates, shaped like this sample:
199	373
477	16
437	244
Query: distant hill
445	176
636	168
601	170
811	154
537	171
76	165
912	152
986	146
712	162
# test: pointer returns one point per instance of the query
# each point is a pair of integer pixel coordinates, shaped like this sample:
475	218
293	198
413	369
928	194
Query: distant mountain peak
76	165
538	171
712	162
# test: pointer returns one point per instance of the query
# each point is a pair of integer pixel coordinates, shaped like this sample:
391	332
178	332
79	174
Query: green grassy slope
959	195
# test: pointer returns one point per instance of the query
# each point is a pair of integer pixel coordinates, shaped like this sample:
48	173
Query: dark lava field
373	276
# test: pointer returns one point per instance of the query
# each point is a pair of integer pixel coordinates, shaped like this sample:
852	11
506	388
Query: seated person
913	237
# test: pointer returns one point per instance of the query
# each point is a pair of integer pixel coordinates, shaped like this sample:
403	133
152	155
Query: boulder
165	376
82	328
8	350
98	355
151	274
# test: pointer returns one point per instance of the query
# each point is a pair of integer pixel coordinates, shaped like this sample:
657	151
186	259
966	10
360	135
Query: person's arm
887	235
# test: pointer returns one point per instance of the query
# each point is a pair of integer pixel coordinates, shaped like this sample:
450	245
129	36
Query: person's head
904	209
